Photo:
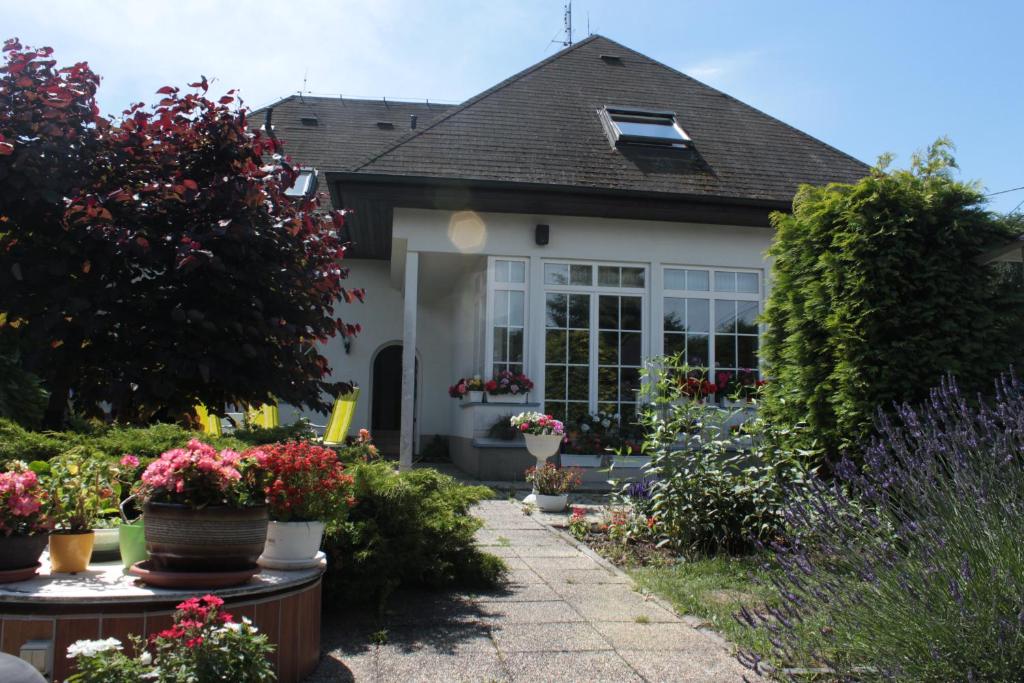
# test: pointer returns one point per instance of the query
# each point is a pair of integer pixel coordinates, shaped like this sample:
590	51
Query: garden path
564	614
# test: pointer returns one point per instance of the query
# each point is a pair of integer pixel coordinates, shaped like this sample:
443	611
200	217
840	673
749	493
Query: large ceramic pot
214	538
543	446
70	552
19	552
293	541
547	503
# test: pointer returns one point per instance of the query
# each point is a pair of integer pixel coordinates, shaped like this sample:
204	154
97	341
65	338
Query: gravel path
564	615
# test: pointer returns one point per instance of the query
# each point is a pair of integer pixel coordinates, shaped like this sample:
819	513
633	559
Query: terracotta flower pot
215	538
70	552
19	552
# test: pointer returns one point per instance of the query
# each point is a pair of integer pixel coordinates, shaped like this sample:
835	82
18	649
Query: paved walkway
564	615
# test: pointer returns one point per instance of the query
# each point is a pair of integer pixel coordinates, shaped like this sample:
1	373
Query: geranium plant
537	424
22	498
198	476
80	486
306	482
205	643
551	480
464	386
506	382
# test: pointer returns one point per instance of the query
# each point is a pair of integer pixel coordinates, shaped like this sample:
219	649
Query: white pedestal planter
292	545
506	398
475	396
543	446
550	503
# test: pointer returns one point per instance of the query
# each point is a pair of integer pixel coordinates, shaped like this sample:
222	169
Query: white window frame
492	286
596	289
711	295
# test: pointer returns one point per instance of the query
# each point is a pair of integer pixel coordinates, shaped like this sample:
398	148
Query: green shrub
877	292
407	528
708	488
22	396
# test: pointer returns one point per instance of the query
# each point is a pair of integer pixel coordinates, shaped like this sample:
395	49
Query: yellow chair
211	423
266	416
341	418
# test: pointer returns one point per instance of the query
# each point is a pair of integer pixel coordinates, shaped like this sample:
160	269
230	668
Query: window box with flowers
543	433
471	389
204	510
24	524
307	486
507	387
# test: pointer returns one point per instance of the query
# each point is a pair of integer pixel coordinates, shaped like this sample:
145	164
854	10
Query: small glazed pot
293	541
70	552
19	552
475	396
546	503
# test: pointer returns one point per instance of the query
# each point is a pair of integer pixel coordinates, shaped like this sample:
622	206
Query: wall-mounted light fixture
542	235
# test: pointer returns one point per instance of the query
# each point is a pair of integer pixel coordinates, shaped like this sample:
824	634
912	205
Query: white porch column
412	276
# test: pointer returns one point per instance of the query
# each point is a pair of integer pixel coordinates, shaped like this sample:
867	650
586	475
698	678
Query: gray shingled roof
541	127
347	130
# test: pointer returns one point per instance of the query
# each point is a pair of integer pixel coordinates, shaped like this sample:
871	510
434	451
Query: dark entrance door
386	409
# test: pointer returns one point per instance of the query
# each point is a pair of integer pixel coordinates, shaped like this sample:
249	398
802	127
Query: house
594	210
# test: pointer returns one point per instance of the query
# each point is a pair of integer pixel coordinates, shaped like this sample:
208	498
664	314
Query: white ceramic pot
506	398
551	503
107	546
475	396
293	541
543	446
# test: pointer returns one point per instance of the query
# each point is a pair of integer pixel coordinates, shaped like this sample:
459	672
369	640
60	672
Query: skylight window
305	184
643	127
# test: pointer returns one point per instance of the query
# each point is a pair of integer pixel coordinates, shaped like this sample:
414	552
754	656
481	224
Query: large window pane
675	314
554	382
747	352
630	353
557	305
579	311
698	318
746	317
607	384
555	346
725	350
632	277
500	344
501	308
608	312
579	383
631	312
579	347
674	343
725	317
725	281
501	271
608	348
517	271
697	280
516	308
515	344
697	350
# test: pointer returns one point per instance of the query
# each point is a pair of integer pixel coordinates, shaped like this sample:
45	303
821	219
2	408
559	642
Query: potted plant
307	485
471	389
24	524
543	433
205	510
551	486
80	485
507	387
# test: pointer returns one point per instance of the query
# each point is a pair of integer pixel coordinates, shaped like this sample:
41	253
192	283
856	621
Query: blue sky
868	77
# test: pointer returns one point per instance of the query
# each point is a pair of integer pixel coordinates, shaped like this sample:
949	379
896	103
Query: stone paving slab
564	614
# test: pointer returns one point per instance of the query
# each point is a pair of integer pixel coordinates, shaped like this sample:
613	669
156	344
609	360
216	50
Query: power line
1012	189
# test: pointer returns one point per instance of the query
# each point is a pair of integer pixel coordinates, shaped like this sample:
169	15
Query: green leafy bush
22	396
708	487
406	528
877	291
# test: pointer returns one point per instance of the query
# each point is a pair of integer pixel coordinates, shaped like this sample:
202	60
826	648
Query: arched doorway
386	402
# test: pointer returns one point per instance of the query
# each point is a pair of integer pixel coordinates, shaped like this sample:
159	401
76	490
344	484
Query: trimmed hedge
877	294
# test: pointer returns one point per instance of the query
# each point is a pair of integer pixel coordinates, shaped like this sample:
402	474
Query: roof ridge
739	101
473	100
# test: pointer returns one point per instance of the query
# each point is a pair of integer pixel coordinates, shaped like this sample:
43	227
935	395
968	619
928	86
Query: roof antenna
568	24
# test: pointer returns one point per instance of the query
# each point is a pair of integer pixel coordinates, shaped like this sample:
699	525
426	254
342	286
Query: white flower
232	626
606	423
584	427
88	648
146	658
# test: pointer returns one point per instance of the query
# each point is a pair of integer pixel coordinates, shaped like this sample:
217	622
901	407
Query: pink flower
129	460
